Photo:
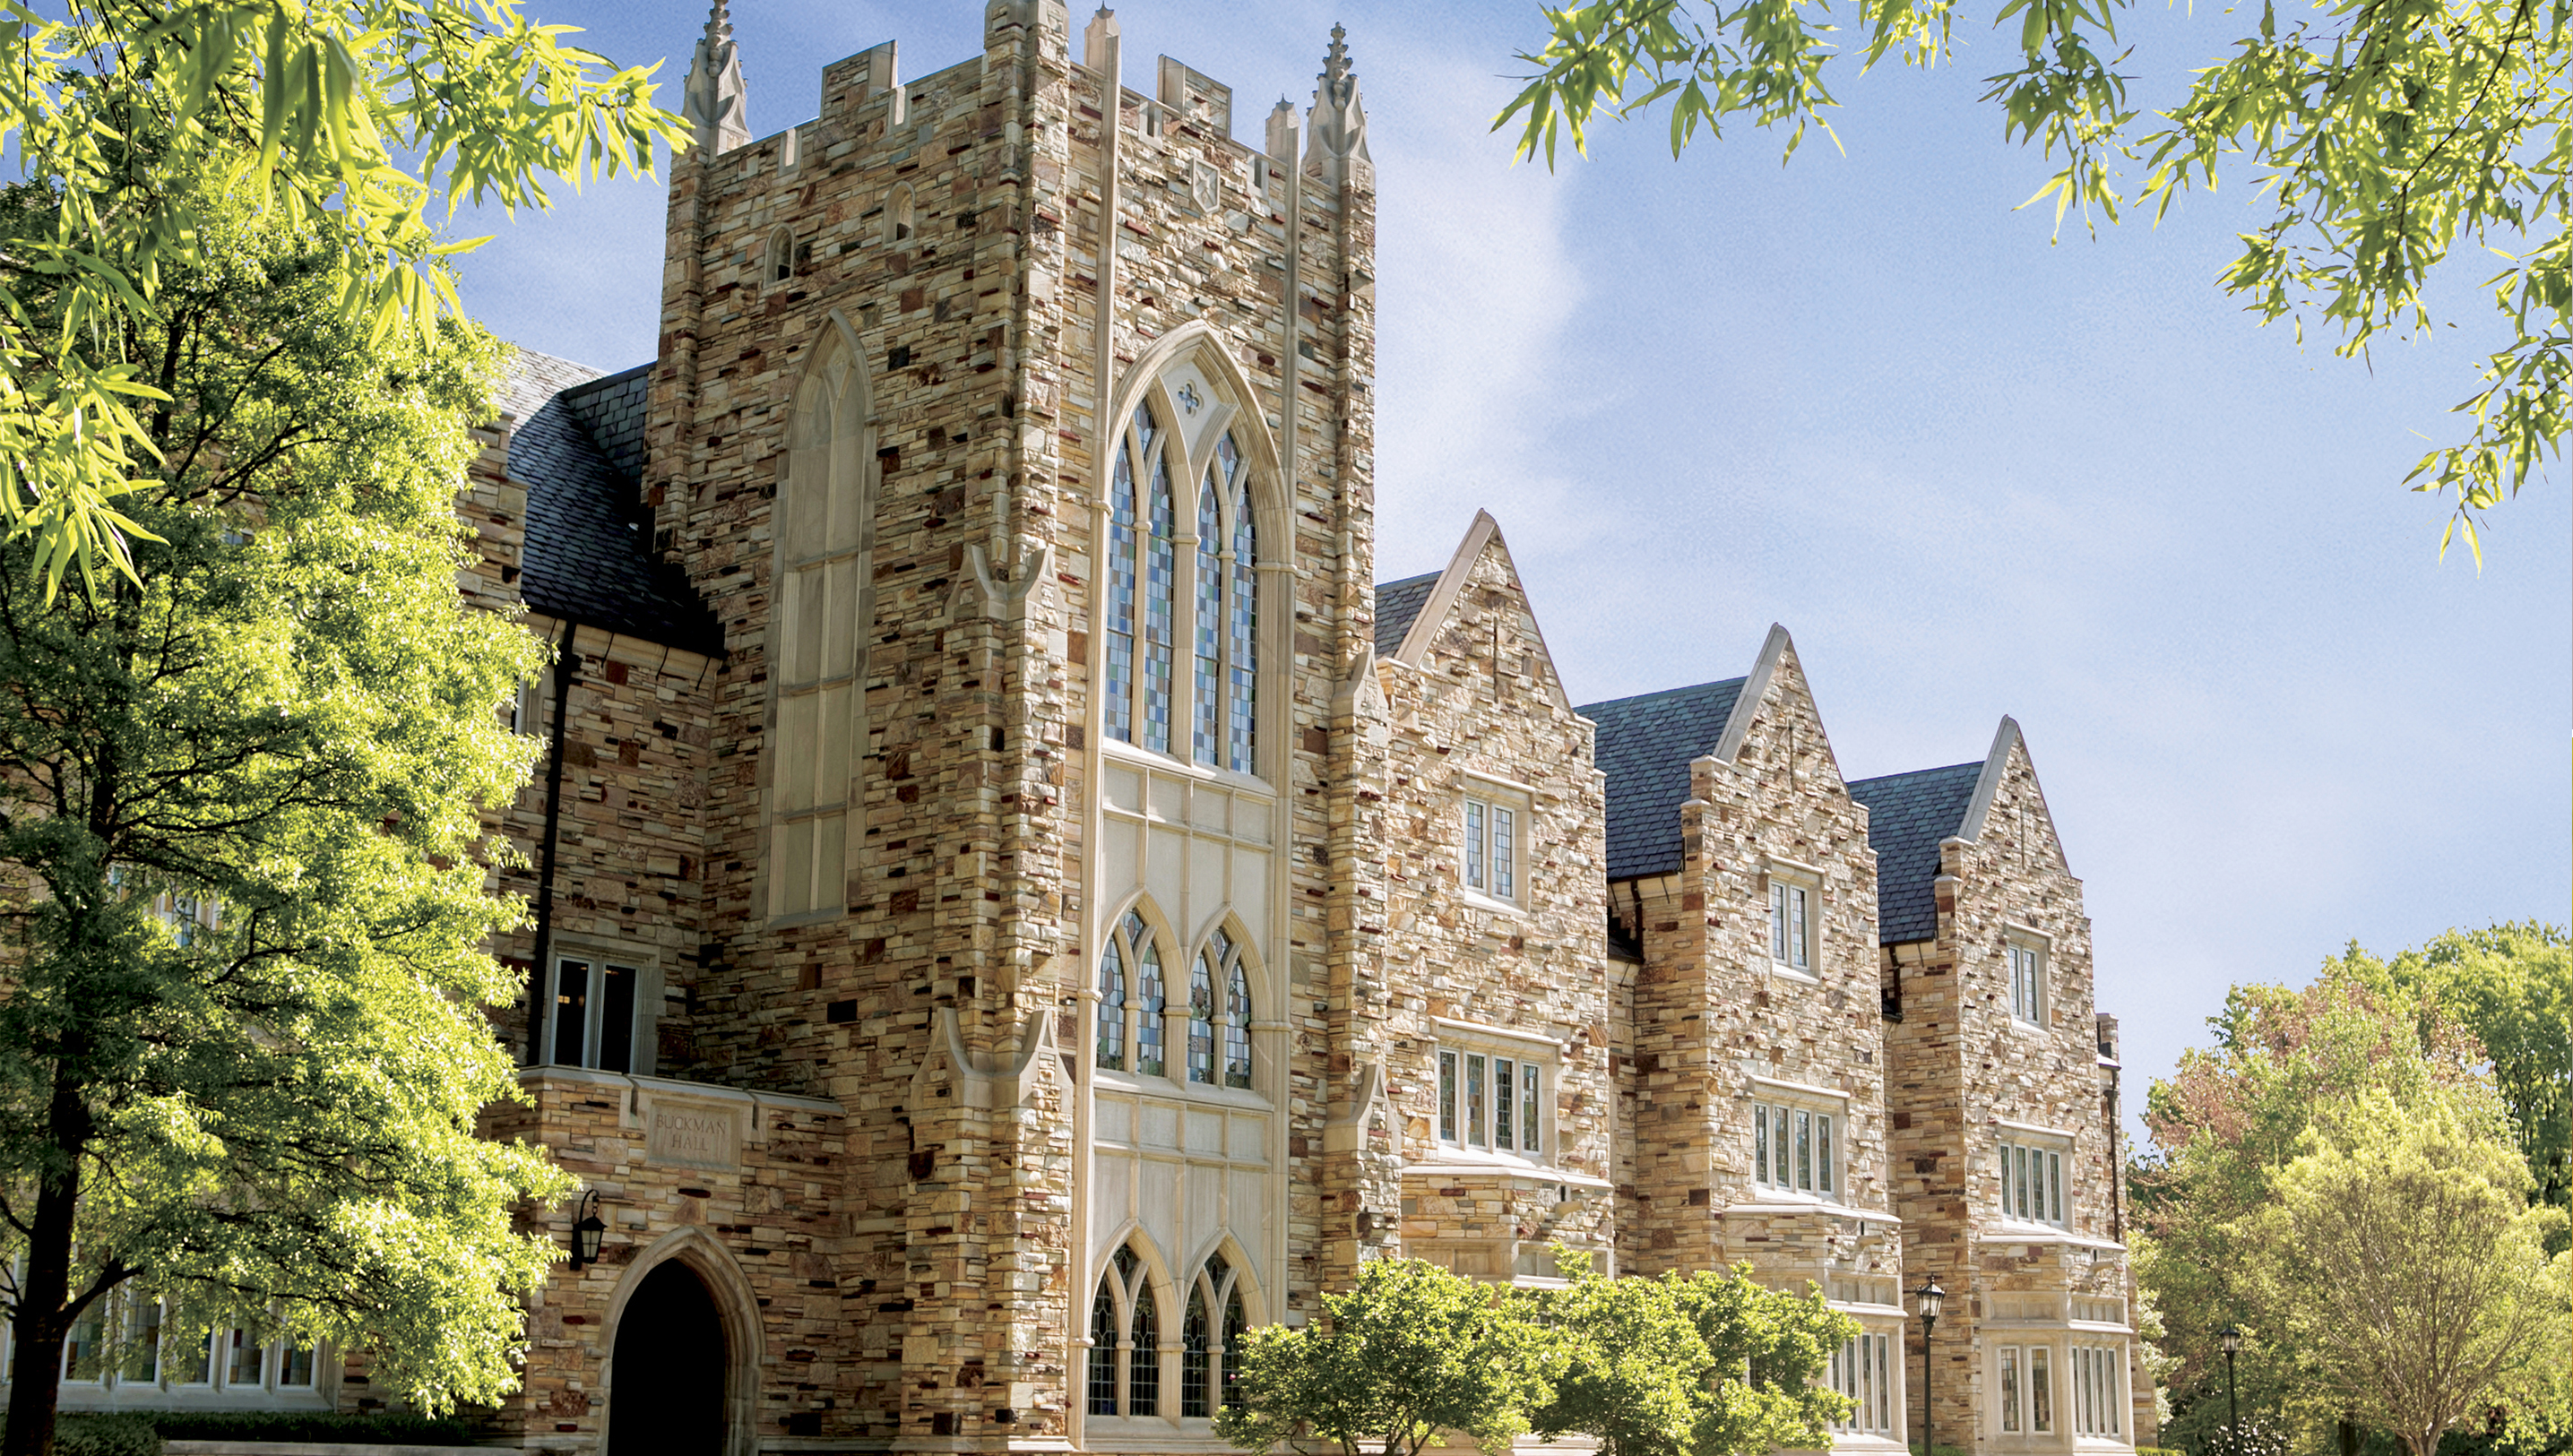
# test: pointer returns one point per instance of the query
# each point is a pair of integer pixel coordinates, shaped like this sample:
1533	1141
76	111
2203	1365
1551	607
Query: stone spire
1340	119
714	95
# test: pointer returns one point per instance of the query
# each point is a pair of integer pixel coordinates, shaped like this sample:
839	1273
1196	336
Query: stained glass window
1111	1008
1160	608
1119	686
1206	707
1202	1016
1151	998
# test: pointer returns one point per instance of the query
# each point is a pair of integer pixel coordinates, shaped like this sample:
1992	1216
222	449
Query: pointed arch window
1134	1020
898	215
1156	592
779	266
1220	997
1125	1376
1210	1351
825	530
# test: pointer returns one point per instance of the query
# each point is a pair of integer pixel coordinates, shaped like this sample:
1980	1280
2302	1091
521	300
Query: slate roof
579	448
1645	745
1908	814
1397	606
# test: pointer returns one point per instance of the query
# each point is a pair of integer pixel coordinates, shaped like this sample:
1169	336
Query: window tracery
1157	593
1131	949
1218	968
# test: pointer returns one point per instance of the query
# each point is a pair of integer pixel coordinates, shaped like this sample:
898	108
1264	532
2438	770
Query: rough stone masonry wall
763	1192
1484	701
964	898
1960	1059
1711	1013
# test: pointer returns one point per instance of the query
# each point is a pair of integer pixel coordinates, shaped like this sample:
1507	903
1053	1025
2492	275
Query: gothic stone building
1017	904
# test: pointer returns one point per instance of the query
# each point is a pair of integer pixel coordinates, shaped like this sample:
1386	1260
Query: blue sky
1972	470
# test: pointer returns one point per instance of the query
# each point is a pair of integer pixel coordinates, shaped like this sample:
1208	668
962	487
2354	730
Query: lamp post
1926	1299
2231	1338
588	1232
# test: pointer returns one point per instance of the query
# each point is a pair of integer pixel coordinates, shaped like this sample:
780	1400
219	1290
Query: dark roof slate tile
579	448
1908	815
1645	746
1397	606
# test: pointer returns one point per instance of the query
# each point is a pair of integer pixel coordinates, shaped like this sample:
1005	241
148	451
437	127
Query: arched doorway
667	1395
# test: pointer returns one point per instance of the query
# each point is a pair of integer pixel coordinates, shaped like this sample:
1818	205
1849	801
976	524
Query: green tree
2512	986
1413	1351
361	112
1703	1364
2225	1123
2404	1265
2383	134
243	1036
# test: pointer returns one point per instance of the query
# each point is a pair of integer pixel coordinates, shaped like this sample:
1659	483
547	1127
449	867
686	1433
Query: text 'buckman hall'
1018	903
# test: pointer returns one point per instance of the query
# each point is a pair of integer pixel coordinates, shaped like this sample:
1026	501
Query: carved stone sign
694	1134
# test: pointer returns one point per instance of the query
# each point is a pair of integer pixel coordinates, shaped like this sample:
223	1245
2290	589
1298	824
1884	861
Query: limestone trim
986	1081
1507	1033
1796	1088
1746	704
736	1302
2034	1236
2034	1128
1531	1174
1818	1207
609	646
1988	785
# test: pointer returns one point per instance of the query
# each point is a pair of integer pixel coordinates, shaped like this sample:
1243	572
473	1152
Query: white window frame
1462	1062
1793	932
2098	1380
1866	1370
168	1385
2024	1403
1492	833
2036	1171
1812	1161
2026	962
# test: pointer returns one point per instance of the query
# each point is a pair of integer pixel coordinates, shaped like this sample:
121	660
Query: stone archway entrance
667	1396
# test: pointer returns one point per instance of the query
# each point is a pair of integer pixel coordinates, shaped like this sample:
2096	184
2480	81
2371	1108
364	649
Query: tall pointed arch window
825	527
1157	593
1131	1017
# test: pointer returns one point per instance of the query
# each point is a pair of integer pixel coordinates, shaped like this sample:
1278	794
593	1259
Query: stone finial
1340	119
1281	133
1099	41
714	96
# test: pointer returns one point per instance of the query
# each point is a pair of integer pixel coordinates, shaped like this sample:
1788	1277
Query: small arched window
1210	1353
1111	1006
1137	1019
898	228
1218	970
780	265
1125	1353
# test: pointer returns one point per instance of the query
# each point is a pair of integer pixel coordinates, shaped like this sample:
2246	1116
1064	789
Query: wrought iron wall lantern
588	1232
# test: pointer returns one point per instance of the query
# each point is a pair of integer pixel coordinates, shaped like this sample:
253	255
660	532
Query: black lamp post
587	1233
1926	1299
2231	1338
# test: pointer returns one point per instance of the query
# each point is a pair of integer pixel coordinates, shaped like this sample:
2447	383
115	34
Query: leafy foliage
2512	986
1702	1364
242	1039
360	112
2402	1261
1413	1351
2383	132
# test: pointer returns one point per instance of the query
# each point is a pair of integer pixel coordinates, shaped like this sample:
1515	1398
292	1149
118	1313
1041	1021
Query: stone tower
1016	425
